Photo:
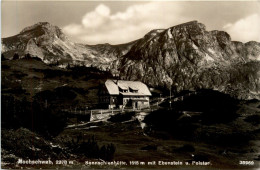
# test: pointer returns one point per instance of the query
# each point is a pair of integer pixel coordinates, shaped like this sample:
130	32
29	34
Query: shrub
27	56
186	148
91	148
201	158
31	115
216	107
149	147
254	119
3	57
16	56
107	152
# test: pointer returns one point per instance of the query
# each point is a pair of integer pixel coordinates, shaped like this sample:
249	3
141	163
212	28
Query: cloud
100	25
96	18
245	29
73	29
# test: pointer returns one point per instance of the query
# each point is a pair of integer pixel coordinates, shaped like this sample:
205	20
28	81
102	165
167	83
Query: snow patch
254	92
62	65
211	51
34	149
208	58
194	46
169	33
54	146
254	58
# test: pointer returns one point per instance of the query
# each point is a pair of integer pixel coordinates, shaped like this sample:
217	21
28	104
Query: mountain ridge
188	57
182	57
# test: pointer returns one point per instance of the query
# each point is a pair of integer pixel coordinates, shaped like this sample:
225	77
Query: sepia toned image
130	84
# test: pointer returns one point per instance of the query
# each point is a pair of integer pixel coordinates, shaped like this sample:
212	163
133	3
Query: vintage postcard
130	84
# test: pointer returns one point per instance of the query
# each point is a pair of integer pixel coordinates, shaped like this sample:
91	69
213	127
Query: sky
116	22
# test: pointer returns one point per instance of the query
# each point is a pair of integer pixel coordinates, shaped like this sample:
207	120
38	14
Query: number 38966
246	162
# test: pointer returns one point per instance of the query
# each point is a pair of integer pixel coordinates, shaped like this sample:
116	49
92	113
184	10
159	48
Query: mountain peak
46	28
193	58
37	25
187	23
154	32
191	25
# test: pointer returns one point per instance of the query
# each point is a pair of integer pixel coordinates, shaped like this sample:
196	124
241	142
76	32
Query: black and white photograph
122	84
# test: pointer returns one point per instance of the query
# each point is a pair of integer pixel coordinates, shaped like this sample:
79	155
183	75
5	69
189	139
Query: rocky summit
49	43
182	57
188	57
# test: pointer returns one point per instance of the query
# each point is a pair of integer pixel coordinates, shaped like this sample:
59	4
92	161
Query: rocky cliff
188	57
49	43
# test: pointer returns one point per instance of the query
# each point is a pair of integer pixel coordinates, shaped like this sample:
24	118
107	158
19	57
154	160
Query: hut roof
114	85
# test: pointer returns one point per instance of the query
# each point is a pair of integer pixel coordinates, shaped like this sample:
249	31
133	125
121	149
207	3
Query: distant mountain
183	57
49	43
187	57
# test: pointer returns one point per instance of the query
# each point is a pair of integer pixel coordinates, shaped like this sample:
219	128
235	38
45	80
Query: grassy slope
31	78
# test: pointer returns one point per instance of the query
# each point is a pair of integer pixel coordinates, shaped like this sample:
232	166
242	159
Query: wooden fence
97	114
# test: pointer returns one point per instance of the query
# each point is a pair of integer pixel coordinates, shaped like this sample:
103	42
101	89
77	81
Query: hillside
30	79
